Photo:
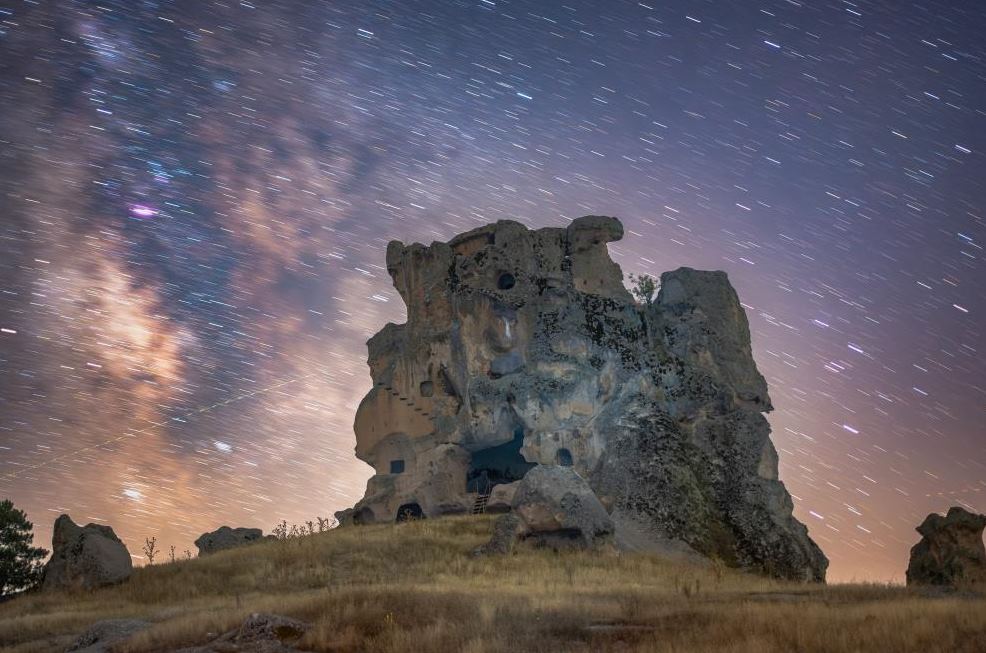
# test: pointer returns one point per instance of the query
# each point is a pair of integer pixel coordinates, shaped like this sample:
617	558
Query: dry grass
414	587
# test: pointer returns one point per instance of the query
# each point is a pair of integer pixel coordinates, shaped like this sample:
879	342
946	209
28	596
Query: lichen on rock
523	348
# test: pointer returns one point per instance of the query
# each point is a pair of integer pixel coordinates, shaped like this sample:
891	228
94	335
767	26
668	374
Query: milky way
195	201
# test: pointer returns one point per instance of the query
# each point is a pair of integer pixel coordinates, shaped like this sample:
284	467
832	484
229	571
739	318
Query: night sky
196	197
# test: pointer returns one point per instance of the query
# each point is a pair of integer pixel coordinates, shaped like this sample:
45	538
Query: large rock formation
85	557
524	348
225	537
951	551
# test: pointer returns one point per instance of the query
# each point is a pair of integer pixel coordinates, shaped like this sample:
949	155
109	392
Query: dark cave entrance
497	465
409	511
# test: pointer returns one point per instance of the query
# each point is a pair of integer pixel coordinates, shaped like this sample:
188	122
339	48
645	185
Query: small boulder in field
227	538
85	557
951	551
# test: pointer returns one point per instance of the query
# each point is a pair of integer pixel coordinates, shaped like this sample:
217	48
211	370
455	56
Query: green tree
643	288
20	562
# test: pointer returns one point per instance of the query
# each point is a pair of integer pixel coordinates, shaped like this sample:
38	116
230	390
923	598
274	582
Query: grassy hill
414	587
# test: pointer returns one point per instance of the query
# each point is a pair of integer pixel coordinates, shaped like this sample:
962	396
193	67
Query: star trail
196	197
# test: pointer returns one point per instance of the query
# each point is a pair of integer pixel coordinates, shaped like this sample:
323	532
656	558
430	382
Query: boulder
523	348
227	538
551	506
85	557
951	551
556	505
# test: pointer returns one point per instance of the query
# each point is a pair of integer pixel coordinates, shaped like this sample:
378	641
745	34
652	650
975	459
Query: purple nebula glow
142	211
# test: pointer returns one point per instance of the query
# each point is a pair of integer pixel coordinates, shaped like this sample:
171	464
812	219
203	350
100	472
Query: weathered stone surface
102	635
225	537
502	497
951	551
85	557
555	504
523	348
259	633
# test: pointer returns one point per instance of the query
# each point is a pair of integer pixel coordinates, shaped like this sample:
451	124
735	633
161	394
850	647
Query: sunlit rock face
524	348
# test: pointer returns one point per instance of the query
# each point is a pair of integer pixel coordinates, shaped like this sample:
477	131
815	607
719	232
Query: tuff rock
85	557
951	551
523	348
225	537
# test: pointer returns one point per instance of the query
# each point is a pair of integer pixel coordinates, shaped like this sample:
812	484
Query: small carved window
506	281
396	466
564	458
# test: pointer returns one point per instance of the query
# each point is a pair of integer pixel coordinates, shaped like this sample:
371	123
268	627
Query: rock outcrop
85	557
523	348
951	551
225	537
259	633
103	636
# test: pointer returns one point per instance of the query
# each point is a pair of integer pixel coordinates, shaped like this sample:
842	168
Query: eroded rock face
225	537
523	348
951	551
85	557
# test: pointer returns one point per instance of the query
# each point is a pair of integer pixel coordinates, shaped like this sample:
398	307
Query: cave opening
497	465
408	512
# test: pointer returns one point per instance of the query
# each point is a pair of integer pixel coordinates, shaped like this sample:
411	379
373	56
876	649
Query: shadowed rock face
85	557
524	348
951	551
